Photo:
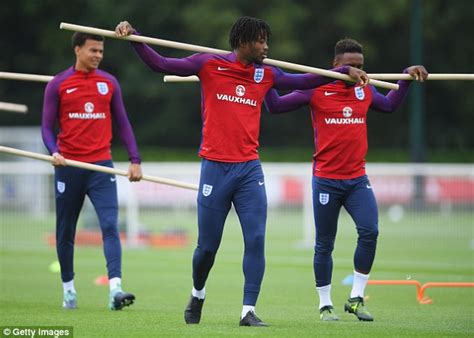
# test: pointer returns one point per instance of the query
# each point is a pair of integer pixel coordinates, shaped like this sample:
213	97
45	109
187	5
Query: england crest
61	186
102	88
359	93
206	189
323	198
258	75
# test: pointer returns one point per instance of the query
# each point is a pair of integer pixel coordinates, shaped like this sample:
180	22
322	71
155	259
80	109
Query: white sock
201	294
115	283
246	309
358	286
324	295
69	286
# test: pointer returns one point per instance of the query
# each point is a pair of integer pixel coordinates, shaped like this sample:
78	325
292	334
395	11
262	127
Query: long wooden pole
378	76
25	77
95	167
201	49
14	107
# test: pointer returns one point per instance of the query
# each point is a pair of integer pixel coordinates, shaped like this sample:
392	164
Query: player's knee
109	228
324	245
368	235
255	242
206	251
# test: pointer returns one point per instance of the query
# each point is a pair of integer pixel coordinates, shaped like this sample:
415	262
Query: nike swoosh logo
369	186
329	93
261	183
222	68
113	179
69	91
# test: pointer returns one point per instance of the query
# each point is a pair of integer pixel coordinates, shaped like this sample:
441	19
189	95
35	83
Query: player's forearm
128	140
393	100
159	63
49	138
305	81
125	132
277	104
48	120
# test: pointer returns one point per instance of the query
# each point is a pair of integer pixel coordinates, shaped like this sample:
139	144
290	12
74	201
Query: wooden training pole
194	78
388	76
94	167
431	77
201	49
25	77
14	107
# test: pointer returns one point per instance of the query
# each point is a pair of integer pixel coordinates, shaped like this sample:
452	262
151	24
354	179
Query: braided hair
248	29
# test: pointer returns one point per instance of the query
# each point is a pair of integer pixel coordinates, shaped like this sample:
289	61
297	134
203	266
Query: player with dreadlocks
233	87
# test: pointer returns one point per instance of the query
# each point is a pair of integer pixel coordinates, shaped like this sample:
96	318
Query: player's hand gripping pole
201	49
94	167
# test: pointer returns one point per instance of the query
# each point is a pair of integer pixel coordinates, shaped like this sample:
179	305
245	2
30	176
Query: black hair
248	29
79	39
347	45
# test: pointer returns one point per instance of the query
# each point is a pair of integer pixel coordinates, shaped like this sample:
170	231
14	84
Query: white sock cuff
115	283
361	275
201	294
324	288
69	286
246	309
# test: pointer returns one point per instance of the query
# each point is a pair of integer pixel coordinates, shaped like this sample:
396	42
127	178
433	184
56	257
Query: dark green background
166	117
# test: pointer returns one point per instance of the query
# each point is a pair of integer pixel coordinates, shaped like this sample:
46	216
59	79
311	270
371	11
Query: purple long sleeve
50	111
277	104
303	81
183	66
392	100
123	125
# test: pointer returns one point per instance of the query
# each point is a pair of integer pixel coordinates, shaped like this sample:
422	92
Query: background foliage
167	115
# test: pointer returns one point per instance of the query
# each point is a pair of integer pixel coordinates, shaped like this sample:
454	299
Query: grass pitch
423	246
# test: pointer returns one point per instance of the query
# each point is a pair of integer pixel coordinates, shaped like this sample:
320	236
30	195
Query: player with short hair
83	101
339	112
233	87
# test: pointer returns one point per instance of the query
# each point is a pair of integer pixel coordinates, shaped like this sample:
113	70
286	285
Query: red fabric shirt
339	115
231	111
84	117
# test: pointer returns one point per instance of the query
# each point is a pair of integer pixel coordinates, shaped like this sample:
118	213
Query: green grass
424	246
